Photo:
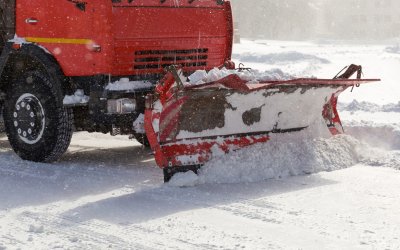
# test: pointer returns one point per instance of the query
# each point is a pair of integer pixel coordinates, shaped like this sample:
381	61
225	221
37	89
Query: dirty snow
138	124
78	97
299	192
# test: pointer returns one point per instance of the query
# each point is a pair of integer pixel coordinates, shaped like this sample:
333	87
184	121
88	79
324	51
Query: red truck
60	58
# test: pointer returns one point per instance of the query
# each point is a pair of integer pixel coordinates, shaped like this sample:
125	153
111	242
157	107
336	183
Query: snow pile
138	124
284	57
283	156
393	49
36	228
187	179
385	136
124	84
391	107
369	107
359	106
287	156
252	76
379	157
78	97
376	125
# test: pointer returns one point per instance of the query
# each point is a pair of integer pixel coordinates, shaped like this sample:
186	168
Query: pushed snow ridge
283	156
370	107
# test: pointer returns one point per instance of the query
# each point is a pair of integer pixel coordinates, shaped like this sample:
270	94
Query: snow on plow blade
187	125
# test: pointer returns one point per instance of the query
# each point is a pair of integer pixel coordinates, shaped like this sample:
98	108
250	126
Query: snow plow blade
186	125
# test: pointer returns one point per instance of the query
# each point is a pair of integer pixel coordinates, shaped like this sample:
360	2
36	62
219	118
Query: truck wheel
2	128
39	128
2	31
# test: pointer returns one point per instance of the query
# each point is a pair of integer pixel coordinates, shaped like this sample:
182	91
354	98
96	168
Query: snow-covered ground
298	192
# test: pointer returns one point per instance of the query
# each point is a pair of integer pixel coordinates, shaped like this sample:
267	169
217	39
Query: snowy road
107	193
93	200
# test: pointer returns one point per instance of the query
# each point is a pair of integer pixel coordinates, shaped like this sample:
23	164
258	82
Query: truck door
63	19
63	27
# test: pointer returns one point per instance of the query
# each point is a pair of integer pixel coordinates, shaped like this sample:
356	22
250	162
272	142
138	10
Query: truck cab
126	37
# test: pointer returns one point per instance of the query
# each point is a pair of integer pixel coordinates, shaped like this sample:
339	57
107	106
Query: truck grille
159	59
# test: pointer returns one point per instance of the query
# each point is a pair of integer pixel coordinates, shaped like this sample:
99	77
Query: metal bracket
242	68
173	69
350	71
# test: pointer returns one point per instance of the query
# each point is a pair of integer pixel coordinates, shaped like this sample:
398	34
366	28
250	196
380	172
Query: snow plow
186	124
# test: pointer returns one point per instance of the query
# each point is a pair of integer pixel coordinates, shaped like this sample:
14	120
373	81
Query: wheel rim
29	118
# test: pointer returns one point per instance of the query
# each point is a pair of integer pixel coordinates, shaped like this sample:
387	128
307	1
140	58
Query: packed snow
78	97
370	107
249	75
138	124
124	84
301	191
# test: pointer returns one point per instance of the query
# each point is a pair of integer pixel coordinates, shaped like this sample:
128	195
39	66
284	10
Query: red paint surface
125	32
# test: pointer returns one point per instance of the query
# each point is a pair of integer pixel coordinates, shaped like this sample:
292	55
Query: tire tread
63	125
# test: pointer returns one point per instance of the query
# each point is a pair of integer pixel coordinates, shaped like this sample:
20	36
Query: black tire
142	139
38	127
7	20
2	127
2	27
169	172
